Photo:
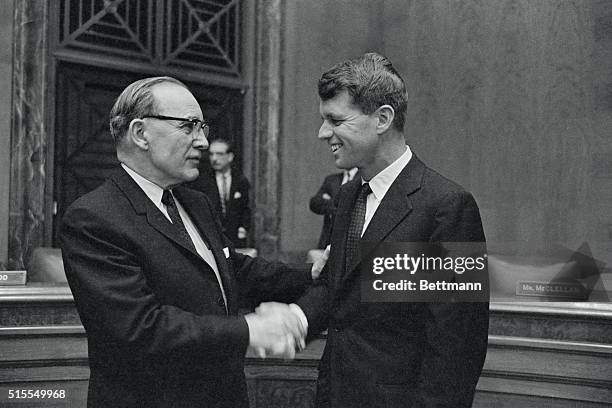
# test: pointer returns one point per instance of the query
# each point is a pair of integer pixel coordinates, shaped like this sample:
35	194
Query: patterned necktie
356	225
168	201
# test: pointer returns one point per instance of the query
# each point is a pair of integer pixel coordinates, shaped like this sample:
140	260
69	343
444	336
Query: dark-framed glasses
189	126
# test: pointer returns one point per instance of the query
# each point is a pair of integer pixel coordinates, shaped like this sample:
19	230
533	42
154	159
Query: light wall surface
317	35
510	98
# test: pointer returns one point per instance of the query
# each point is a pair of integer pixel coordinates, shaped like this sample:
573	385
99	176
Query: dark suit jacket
327	208
238	211
399	354
157	327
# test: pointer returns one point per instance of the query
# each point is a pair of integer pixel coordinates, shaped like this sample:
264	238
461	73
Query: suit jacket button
220	301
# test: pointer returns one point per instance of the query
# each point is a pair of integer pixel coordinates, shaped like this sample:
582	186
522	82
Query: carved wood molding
187	34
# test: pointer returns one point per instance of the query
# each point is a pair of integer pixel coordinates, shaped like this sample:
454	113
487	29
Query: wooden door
84	148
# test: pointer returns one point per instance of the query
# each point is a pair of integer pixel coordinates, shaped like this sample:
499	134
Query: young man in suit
323	202
228	190
156	283
389	354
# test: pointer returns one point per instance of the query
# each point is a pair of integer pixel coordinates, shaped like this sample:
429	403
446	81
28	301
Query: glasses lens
205	128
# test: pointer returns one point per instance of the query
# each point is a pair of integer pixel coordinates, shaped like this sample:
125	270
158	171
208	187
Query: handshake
277	330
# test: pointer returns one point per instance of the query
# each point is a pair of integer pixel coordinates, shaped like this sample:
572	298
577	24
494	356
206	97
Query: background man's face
220	159
350	133
174	153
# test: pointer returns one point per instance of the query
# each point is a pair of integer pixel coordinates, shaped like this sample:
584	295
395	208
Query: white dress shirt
155	192
380	184
349	175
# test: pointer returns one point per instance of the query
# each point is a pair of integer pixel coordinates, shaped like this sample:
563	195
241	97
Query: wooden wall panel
512	99
44	358
317	34
524	367
509	400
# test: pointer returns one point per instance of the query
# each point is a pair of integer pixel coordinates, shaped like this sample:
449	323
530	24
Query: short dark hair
371	81
135	102
230	145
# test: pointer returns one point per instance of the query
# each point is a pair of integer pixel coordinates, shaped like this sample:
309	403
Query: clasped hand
275	331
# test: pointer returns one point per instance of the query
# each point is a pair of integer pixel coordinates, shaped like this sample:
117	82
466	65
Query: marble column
28	135
265	145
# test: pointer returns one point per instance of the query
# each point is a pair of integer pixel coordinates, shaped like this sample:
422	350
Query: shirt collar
351	173
227	173
381	183
152	190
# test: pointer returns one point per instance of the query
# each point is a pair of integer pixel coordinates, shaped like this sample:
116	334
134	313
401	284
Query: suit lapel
393	209
193	203
143	205
337	183
194	206
233	187
396	204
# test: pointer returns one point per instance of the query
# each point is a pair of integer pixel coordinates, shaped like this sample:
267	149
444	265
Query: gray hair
135	102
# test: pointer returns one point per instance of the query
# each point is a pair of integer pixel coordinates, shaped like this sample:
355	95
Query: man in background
323	202
156	283
228	190
406	354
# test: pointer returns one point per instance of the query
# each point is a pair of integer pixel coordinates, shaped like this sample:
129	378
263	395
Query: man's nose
325	131
200	141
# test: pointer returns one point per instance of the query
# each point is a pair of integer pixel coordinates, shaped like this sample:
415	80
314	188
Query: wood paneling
317	34
539	355
511	99
44	358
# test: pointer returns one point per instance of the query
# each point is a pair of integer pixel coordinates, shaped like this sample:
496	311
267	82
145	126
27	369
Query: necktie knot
365	191
167	199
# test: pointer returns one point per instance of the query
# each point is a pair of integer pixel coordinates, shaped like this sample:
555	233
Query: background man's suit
238	211
158	330
399	354
326	207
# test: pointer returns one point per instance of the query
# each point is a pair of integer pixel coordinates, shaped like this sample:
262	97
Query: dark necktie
356	225
173	212
224	194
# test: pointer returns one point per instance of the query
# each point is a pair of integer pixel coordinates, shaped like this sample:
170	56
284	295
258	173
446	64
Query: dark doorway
84	149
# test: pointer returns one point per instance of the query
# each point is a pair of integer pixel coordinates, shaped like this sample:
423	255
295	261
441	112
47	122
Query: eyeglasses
189	126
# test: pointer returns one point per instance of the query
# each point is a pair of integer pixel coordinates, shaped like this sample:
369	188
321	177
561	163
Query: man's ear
136	134
385	115
230	156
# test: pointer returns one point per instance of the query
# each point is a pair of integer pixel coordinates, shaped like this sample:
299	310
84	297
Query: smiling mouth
335	147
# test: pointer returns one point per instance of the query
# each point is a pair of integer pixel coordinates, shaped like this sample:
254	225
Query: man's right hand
275	331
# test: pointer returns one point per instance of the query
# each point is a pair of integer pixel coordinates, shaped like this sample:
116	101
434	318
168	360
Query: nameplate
562	290
12	278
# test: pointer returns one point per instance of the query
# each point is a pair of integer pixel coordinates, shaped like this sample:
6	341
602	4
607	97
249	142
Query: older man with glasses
154	279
